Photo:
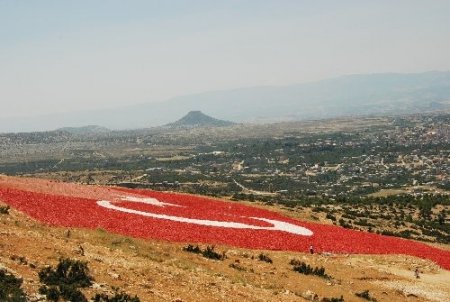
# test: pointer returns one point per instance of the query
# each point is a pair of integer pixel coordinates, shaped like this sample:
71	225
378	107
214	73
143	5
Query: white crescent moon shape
277	225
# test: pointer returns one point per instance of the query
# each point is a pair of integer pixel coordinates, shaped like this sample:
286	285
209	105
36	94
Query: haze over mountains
368	94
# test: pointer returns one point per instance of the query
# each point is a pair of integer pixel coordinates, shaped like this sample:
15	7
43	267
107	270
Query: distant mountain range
366	94
90	129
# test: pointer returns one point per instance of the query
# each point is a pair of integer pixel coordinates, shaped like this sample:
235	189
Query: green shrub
211	254
4	210
67	292
388	233
119	296
192	249
366	296
207	253
331	217
344	224
265	258
295	262
51	293
10	288
237	266
341	299
64	281
306	269
68	272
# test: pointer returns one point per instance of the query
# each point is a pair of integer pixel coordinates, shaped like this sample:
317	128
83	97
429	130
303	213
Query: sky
61	55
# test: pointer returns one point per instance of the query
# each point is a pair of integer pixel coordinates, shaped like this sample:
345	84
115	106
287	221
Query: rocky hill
197	119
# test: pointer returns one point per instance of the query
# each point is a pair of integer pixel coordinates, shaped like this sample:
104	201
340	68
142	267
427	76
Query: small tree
10	288
68	272
65	280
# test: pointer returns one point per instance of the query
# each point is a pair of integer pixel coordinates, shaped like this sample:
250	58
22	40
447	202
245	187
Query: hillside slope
162	271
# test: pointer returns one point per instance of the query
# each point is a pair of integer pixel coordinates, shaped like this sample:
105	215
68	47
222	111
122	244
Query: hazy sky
76	55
